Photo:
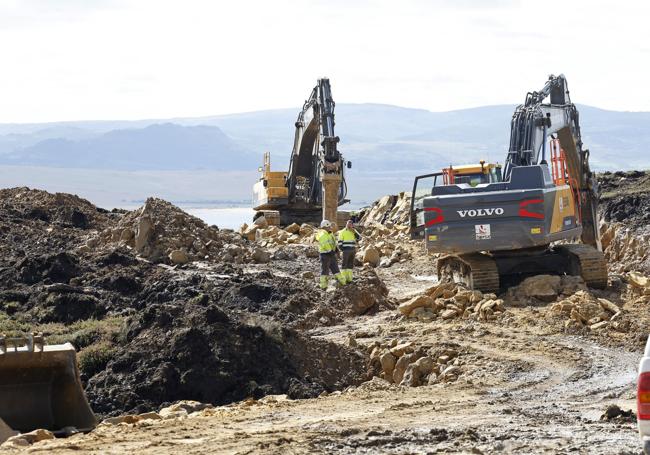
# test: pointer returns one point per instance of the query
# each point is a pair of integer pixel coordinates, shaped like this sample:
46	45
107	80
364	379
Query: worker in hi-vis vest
327	249
348	239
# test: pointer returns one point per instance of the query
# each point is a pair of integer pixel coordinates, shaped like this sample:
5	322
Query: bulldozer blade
40	387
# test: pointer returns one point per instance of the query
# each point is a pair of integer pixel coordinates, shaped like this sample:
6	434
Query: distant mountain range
166	146
385	143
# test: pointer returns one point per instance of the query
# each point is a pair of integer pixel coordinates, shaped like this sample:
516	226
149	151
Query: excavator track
587	262
477	271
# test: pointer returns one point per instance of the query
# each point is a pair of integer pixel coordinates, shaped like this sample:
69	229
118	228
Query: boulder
371	256
637	280
451	370
388	362
25	439
178	257
599	325
425	365
449	314
401	366
184	406
570	284
541	287
250	232
412	376
400	349
127	235
261	256
607	235
609	306
416	302
308	275
143	233
293	228
423	314
306	230
131	419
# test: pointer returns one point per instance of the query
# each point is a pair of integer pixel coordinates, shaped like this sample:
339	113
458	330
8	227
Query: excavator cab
40	387
470	174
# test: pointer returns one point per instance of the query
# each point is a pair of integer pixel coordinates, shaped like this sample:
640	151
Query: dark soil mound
150	334
625	197
194	350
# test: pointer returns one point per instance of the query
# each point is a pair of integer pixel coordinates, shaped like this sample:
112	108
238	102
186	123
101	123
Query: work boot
324	281
342	281
344	272
349	276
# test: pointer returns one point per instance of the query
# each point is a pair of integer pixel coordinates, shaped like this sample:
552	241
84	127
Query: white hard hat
325	224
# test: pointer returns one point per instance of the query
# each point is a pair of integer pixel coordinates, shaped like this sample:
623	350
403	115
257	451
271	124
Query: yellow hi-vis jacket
348	238
326	241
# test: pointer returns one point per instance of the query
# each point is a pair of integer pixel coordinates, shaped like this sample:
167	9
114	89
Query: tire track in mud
555	400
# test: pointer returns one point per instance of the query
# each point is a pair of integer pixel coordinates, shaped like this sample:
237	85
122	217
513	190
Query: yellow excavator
40	387
314	187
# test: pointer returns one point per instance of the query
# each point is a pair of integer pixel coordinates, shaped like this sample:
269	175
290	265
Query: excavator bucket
40	387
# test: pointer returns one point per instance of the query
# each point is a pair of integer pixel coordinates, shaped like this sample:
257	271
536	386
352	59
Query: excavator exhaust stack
40	387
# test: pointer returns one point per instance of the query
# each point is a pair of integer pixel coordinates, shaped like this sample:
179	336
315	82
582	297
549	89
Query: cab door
422	186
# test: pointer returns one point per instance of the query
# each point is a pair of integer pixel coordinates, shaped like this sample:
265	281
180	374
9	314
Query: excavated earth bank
150	331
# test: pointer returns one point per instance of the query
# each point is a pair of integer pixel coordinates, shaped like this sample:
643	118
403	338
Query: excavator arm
315	176
532	124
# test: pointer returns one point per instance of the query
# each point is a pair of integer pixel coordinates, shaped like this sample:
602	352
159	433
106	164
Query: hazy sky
121	59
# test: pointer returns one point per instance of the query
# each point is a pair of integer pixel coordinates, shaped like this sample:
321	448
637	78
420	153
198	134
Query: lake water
233	217
224	218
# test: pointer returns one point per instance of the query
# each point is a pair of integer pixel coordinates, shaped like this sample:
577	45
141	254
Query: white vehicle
643	399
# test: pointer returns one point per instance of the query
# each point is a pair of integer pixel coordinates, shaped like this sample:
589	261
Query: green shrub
12	326
95	357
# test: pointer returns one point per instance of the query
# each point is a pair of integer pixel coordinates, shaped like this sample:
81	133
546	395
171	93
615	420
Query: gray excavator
494	233
314	187
40	387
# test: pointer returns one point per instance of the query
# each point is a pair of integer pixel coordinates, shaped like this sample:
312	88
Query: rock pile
161	232
391	210
626	249
179	410
639	283
450	301
404	363
383	253
582	309
544	289
367	294
60	209
23	440
268	236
